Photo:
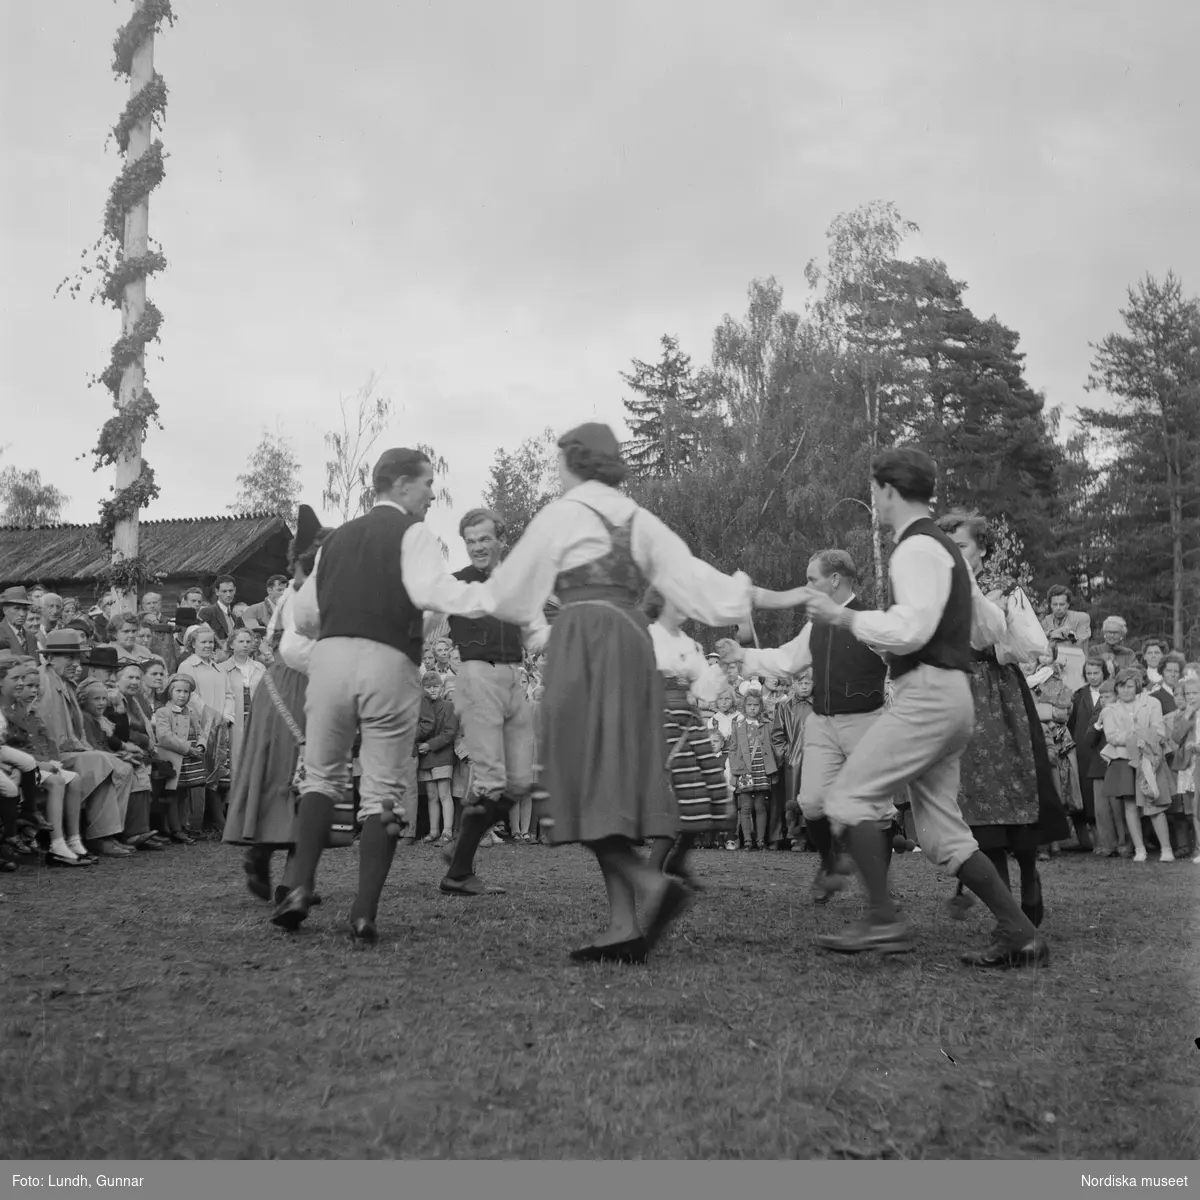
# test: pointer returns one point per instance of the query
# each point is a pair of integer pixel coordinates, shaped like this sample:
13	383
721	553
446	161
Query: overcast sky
496	205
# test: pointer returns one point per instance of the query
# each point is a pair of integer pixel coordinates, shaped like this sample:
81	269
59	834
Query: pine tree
664	418
1150	440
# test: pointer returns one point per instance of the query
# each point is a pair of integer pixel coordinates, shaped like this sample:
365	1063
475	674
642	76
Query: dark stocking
980	875
478	817
868	846
375	850
314	816
1031	885
820	833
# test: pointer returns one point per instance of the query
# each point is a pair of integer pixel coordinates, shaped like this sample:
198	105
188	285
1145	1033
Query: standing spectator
1154	657
1135	748
1062	623
437	728
219	616
264	609
1115	653
101	617
787	740
14	609
752	762
34	637
1186	731
1085	708
52	606
443	650
242	677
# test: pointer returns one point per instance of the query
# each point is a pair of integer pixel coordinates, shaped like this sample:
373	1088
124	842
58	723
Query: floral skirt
1007	792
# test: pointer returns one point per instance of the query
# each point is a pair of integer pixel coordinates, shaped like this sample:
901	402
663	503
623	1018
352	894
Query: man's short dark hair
476	517
908	469
836	561
277	579
1059	590
397	464
220	579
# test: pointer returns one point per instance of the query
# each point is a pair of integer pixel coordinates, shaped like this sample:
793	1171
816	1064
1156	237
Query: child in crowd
715	839
436	731
752	763
177	736
1134	746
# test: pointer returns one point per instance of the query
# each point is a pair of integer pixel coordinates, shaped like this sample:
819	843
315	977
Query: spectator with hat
105	781
14	609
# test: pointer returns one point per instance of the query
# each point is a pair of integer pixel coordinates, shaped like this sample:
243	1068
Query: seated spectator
1115	653
1062	623
99	664
144	637
105	781
101	732
59	787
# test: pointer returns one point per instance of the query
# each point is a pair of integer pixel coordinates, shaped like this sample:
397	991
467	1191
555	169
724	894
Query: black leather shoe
1003	958
258	879
631	951
471	886
363	930
293	909
314	901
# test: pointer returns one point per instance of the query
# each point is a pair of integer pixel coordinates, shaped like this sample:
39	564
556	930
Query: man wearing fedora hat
14	608
106	781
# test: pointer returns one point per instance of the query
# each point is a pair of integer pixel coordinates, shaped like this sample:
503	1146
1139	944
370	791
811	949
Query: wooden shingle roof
191	546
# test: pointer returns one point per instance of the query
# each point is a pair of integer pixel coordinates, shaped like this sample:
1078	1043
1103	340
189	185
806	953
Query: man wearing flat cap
14	608
365	604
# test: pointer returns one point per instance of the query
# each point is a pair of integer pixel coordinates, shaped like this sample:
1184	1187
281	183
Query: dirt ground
150	1011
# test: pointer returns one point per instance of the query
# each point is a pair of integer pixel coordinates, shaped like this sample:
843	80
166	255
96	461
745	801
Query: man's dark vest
360	586
484	639
950	646
848	677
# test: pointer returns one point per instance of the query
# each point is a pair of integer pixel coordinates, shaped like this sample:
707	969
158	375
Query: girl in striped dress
697	772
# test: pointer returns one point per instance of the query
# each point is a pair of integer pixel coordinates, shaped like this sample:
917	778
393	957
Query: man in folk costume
14	608
918	742
373	581
847	698
491	702
106	781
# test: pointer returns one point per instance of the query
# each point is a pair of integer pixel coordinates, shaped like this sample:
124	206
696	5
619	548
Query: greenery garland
122	433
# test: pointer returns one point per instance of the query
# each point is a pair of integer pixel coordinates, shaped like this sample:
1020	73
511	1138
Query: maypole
126	261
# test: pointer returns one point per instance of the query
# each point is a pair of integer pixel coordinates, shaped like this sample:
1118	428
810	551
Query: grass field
151	1012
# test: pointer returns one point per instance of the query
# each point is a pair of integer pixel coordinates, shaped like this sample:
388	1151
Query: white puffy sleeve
698	590
294	648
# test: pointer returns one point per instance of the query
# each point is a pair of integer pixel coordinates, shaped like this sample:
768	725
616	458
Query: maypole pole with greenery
125	259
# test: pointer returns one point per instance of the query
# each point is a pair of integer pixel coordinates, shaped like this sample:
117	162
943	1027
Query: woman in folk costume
602	750
243	674
1007	793
262	800
697	774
